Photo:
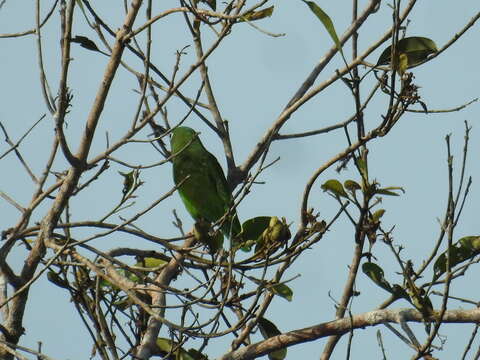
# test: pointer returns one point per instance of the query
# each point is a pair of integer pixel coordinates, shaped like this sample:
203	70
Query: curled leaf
334	187
274	236
351	186
85	42
252	230
257	15
411	51
377	215
375	273
464	249
269	329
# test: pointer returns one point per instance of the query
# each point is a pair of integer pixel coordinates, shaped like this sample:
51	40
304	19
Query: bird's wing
217	178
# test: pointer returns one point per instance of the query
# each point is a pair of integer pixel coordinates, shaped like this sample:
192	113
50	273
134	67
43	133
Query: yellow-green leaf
378	214
283	291
257	15
402	63
335	187
471	242
165	346
389	191
151	262
274	236
362	167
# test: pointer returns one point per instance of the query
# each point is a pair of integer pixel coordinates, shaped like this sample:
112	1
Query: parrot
204	190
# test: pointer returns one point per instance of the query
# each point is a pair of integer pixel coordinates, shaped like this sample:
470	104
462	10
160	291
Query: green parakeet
205	193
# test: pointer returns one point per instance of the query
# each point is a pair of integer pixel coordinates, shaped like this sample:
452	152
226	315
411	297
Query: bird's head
183	136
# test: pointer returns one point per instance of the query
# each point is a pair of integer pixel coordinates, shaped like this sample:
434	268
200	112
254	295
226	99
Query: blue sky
254	76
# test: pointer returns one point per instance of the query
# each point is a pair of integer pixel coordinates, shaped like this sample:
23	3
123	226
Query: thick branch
342	326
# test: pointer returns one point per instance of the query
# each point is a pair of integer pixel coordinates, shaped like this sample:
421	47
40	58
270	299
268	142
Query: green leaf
362	167
122	272
464	249
283	291
326	21
377	215
335	187
351	186
375	272
390	191
416	49
166	346
268	330
151	262
253	228
252	231
257	15
440	265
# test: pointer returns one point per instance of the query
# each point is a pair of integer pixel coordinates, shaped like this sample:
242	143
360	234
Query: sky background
254	76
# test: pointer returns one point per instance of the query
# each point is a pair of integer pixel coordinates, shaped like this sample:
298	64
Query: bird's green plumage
205	191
